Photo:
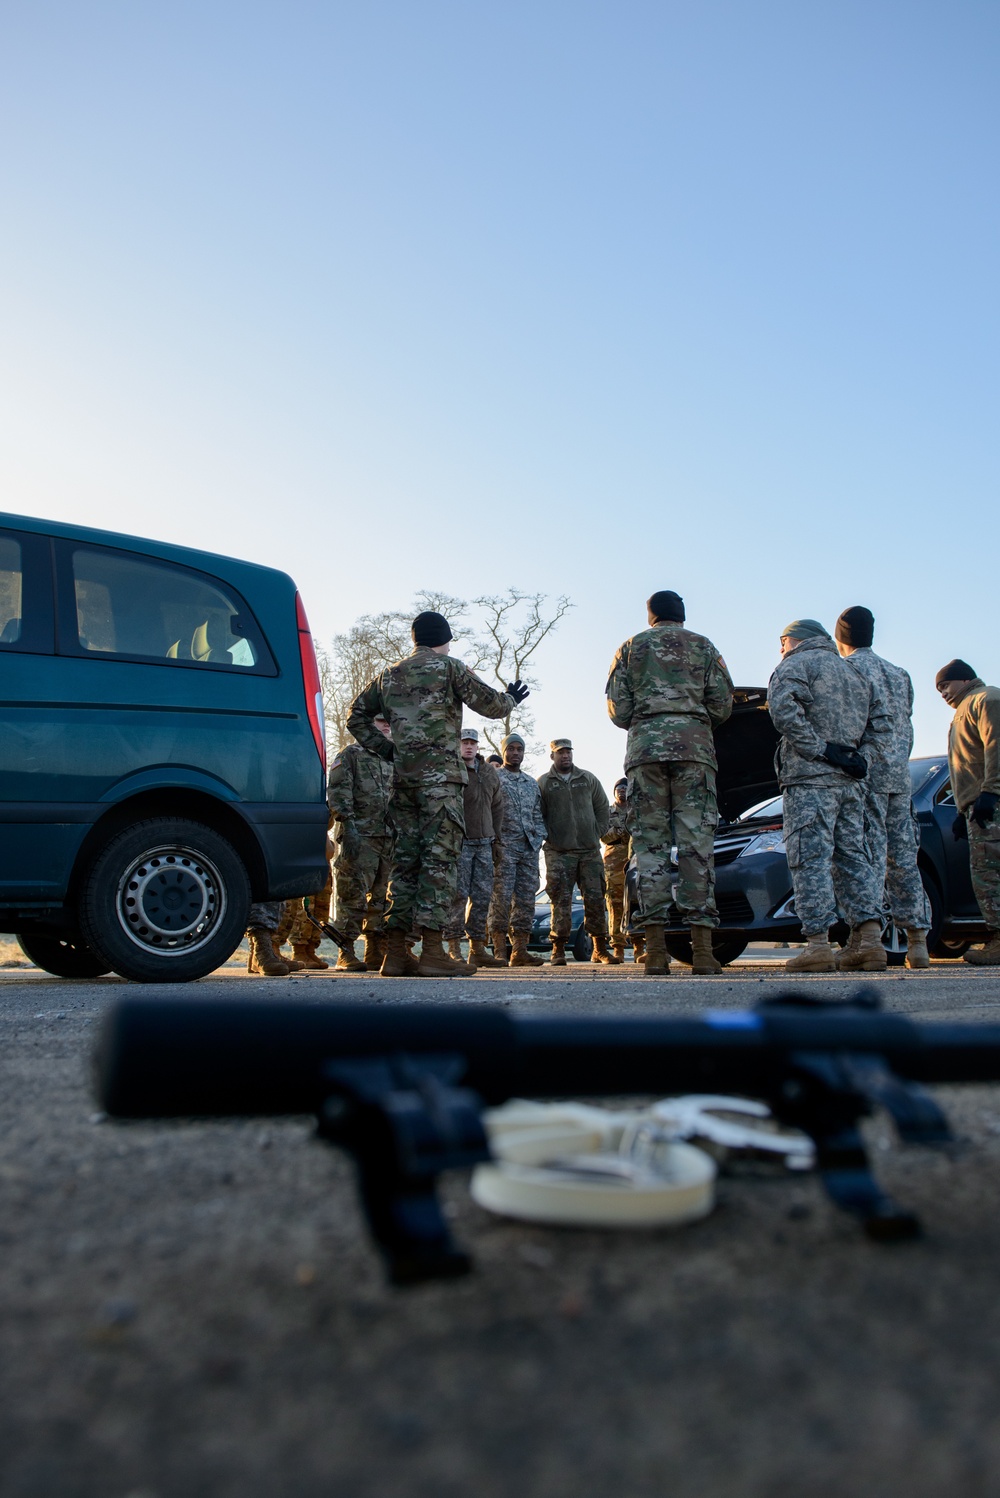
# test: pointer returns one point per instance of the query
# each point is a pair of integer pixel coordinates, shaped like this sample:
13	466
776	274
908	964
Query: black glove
983	808
517	691
497	853
959	831
843	757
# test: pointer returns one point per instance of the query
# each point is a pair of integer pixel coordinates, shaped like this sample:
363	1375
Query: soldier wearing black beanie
430	629
855	627
665	607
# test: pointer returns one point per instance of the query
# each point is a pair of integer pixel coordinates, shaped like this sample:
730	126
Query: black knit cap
666	605
430	629
855	627
956	670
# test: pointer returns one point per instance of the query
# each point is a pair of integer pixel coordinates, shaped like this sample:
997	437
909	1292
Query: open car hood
745	745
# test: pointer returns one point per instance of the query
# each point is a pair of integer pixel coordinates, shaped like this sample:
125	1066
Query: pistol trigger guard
404	1123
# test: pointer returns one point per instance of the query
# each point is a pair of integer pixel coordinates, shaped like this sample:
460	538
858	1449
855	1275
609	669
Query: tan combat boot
263	960
347	961
435	962
601	952
866	954
704	963
520	956
374	950
498	941
558	958
618	948
452	946
816	958
639	948
308	957
398	961
657	961
483	956
987	955
917	954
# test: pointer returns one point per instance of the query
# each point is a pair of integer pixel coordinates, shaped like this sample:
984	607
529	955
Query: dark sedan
753	886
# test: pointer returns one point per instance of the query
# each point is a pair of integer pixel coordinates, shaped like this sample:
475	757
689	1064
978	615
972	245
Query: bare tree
499	645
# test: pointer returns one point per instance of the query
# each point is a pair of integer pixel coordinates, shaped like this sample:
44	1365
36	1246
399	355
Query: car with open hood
753	886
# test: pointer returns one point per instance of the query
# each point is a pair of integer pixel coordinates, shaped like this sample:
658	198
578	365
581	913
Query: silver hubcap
170	900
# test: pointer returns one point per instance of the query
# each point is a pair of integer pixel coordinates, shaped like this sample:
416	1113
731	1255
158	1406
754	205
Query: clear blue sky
593	298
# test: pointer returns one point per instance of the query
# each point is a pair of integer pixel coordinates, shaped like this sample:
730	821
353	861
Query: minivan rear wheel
166	901
64	956
725	947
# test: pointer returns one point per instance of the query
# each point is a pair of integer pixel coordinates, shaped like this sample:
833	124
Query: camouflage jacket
669	688
616	840
815	698
360	789
974	744
422	697
522	811
575	810
888	761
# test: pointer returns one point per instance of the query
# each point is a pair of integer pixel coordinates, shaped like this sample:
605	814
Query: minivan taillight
310	680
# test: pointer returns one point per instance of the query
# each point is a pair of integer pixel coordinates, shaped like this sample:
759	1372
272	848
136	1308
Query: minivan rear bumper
293	841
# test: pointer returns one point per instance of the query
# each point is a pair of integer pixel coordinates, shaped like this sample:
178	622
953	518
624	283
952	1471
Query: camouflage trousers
984	859
430	829
265	915
586	871
673	805
515	885
892	838
616	905
824	829
362	881
475	890
295	924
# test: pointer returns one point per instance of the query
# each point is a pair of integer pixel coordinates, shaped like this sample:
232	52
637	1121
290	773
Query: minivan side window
25	594
133	608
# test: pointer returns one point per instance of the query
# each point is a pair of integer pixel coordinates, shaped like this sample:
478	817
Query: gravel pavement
193	1311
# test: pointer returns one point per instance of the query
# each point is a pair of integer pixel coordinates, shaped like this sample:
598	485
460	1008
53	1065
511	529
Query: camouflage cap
555	744
512	738
805	629
470	733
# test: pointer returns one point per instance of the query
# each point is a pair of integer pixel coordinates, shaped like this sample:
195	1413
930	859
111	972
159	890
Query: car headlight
767	842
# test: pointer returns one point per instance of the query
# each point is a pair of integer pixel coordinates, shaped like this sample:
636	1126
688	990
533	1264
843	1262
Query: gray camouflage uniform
815	698
892	835
515	881
360	791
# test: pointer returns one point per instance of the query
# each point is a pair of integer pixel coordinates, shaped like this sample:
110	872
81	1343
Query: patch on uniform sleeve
336	760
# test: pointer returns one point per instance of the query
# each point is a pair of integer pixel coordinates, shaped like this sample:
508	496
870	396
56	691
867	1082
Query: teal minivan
162	752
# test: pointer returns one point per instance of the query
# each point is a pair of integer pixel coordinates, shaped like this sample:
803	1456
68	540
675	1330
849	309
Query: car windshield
767	811
921	771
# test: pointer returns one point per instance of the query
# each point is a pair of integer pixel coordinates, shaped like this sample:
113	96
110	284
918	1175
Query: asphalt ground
194	1310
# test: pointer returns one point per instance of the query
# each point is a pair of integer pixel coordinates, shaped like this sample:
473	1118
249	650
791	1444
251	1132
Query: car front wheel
166	901
725	948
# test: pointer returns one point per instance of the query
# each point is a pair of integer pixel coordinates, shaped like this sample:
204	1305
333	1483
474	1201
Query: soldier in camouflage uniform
892	836
421	696
616	855
295	924
515	882
669	688
974	765
483	806
576	814
359	791
828	714
263	924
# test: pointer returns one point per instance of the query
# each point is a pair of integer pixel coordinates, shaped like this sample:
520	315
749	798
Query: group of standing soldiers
434	842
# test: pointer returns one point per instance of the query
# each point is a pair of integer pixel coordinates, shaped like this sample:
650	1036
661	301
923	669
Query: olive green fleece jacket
974	745
576	811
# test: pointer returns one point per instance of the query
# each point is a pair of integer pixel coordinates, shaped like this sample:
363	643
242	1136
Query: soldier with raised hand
483	829
576	813
515	881
359	791
669	688
827	714
892	835
421	697
616	855
974	763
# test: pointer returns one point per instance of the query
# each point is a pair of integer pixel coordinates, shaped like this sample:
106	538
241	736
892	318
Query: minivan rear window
124	606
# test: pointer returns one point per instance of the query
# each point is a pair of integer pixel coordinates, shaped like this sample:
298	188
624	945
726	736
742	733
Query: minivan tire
63	956
166	901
